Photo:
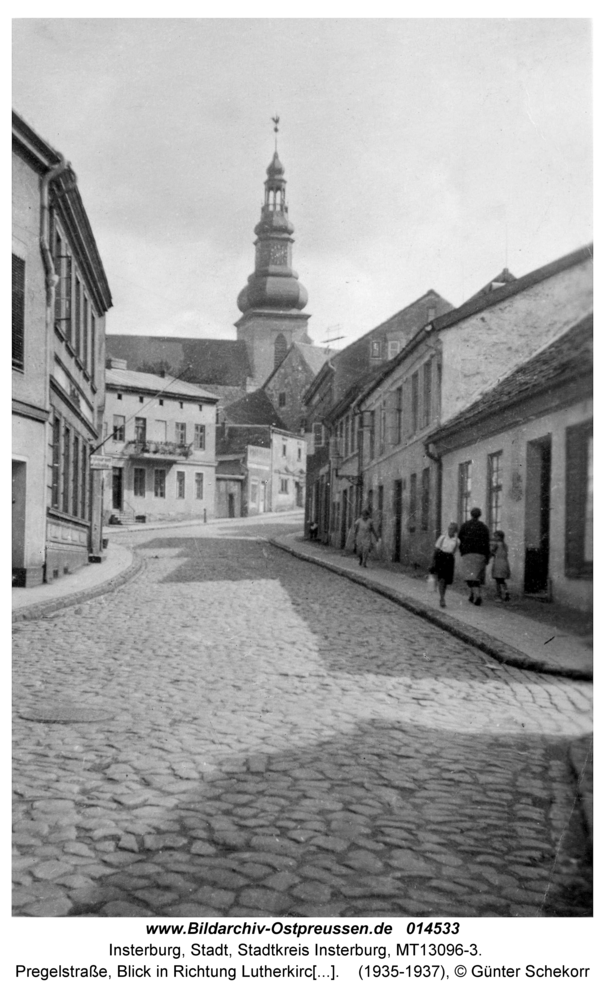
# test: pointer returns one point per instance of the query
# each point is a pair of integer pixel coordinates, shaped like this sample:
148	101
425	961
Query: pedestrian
444	559
313	526
364	530
475	550
500	565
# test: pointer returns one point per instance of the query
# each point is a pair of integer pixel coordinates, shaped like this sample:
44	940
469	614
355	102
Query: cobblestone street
280	741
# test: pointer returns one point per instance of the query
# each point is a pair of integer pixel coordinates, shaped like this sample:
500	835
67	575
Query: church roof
212	362
255	408
314	355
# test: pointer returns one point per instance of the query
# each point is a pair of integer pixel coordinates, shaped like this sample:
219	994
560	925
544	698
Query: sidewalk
226	522
503	633
91	580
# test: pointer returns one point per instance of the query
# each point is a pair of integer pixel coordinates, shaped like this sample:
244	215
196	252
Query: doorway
537	515
344	519
19	486
117	488
397	518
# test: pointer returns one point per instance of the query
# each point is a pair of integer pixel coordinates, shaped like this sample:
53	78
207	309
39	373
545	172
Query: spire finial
275	121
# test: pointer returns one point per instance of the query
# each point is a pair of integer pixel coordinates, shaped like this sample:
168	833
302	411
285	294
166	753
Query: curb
581	759
49	607
499	651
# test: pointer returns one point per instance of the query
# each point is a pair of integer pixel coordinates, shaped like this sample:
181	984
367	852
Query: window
394	347
180	432
18	312
372	428
119	395
578	500
84	484
282	399
75	481
346	435
140	430
56	469
159	483
93	344
283	485
161	402
318	435
63	268
280	349
432	312
425	499
284	449
199	486
398	414
383	426
139	482
160	430
426	399
376	349
181	404
66	469
141	399
494	491
378	525
119	427
85	332
413	502
180	485
464	491
78	318
299	453
414	402
200	437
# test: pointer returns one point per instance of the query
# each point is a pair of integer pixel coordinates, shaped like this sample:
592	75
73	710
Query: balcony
157	451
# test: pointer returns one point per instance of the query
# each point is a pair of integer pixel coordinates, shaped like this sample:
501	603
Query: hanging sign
100	462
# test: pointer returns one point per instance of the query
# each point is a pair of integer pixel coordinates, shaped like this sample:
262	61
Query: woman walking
443	562
364	530
475	551
500	565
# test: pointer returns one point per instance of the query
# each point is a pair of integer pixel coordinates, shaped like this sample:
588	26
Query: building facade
523	454
398	469
161	441
261	469
60	298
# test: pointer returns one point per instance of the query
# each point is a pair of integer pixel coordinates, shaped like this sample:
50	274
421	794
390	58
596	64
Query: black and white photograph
302	493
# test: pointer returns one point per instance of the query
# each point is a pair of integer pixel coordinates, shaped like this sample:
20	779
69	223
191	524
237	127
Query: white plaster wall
481	349
513	444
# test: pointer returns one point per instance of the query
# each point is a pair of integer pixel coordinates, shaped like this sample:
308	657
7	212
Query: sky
419	153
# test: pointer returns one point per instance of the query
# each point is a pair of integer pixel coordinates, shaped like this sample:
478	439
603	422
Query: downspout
51	282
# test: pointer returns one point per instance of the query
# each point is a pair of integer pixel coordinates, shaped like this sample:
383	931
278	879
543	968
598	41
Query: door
397	518
117	488
262	497
537	515
19	494
344	520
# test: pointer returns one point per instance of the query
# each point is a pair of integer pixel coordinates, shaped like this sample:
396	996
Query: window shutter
576	471
18	312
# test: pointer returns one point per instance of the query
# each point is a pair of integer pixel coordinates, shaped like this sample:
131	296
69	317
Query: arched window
281	349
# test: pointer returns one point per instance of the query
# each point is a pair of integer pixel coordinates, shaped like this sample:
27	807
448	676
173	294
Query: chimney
118	363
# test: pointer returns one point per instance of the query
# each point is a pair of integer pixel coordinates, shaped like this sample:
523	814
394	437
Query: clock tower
273	301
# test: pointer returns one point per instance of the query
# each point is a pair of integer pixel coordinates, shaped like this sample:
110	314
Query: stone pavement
241	733
495	628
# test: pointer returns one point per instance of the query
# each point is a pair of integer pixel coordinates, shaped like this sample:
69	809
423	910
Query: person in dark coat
475	551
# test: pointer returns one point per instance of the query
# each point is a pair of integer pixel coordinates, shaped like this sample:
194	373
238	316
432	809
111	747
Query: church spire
274	284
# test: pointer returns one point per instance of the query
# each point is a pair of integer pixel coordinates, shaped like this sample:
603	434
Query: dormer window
376	349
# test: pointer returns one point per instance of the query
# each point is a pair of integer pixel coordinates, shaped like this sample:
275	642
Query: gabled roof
231	438
314	355
498	282
481	302
212	362
567	359
122	378
255	408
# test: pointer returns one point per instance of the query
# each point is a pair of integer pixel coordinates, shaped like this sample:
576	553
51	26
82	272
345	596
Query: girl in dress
445	549
500	565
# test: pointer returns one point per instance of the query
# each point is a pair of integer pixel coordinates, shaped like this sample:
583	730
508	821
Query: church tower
273	301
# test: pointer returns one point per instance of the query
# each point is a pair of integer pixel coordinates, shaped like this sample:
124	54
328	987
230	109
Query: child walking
500	565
